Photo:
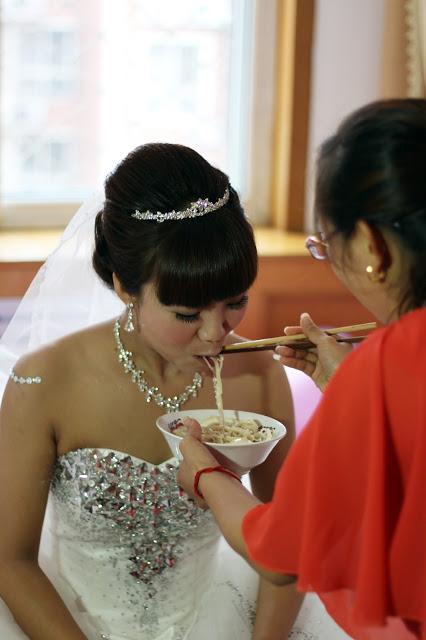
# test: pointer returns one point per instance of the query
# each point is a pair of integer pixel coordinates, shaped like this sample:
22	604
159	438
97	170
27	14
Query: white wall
345	67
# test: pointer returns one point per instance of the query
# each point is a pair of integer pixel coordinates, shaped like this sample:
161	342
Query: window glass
85	81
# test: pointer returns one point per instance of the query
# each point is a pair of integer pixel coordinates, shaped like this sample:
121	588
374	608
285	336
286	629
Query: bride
97	540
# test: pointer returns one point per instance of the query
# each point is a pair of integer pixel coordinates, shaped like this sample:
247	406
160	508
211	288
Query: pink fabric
306	396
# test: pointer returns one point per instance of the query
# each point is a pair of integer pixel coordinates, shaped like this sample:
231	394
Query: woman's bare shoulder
50	364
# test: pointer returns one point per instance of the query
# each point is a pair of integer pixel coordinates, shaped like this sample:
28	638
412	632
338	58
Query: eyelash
240	304
183	318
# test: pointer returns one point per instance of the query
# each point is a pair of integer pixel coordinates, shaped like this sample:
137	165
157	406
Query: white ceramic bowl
238	457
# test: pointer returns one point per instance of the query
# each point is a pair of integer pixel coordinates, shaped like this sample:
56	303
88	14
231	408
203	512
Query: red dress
348	515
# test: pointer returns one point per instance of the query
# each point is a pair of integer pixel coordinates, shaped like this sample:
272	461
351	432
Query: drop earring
129	325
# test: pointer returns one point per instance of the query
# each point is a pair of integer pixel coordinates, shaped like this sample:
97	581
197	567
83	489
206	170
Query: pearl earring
129	326
375	276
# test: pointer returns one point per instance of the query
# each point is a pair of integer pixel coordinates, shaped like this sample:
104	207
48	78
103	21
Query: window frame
295	38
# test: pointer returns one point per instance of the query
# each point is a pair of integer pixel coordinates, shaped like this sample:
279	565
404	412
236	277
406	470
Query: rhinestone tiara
195	209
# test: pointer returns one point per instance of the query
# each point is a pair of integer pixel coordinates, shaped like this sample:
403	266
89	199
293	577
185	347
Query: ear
118	288
375	246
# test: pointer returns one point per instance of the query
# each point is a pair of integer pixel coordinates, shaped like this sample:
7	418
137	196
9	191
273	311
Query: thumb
310	329
193	428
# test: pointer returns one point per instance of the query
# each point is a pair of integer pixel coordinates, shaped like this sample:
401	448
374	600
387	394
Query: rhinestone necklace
172	403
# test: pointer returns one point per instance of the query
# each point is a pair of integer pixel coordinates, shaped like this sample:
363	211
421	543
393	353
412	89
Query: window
82	83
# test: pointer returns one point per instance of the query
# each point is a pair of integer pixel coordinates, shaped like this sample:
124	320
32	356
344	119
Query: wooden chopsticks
298	341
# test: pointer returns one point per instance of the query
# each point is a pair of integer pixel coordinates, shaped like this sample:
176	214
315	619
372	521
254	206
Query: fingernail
276	356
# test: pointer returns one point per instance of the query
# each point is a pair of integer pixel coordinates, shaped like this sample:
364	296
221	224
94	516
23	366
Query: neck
169	401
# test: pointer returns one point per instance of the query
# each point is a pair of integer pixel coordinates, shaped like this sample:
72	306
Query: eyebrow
237	296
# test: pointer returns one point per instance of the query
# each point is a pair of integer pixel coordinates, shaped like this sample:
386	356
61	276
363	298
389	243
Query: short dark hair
373	169
192	262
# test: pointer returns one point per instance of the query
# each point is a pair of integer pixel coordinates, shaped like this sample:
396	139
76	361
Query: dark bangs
205	260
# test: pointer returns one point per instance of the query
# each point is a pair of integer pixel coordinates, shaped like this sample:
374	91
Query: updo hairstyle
192	262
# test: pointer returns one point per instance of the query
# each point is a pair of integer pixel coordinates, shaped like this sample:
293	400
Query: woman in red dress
348	516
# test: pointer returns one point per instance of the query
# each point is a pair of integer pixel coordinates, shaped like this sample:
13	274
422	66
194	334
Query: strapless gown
134	559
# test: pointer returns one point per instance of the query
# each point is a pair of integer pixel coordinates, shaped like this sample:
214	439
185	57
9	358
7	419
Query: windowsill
273	242
34	245
27	245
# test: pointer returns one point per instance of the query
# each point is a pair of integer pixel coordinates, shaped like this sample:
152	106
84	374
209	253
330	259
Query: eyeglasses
318	245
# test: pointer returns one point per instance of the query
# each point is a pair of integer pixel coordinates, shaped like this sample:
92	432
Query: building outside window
82	82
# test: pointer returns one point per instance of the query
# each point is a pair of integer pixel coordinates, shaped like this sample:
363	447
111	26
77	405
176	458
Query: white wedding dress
134	559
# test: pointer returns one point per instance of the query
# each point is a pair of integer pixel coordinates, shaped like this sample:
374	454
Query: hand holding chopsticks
297	341
311	351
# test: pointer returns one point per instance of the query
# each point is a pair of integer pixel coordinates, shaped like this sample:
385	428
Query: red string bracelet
210	470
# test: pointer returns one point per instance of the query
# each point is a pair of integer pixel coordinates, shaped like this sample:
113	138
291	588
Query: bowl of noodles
239	440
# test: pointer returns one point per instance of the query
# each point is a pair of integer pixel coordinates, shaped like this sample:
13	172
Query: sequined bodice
116	499
132	525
